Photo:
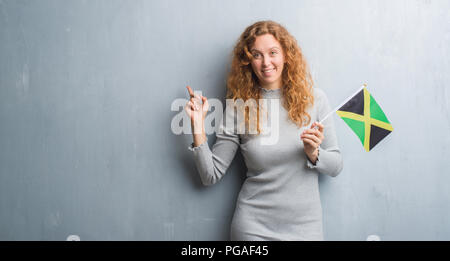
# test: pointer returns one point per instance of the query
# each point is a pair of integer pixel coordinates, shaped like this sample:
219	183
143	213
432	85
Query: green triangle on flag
357	127
376	112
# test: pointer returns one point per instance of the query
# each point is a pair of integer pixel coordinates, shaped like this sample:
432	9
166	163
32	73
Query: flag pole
346	100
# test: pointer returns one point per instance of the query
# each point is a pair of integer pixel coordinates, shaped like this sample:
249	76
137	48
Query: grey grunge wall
86	87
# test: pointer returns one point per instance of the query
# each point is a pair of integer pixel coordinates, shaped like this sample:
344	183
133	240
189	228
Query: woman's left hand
312	138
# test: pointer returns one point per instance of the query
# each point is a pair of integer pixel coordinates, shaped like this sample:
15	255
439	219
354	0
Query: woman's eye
273	52
256	55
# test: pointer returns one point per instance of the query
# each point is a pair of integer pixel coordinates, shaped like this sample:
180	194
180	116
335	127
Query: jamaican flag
365	117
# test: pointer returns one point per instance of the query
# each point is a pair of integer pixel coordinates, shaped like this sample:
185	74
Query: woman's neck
272	86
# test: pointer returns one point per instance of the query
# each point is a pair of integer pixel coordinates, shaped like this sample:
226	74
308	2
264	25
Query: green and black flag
365	117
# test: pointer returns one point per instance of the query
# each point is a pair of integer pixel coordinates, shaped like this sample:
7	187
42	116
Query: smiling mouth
268	73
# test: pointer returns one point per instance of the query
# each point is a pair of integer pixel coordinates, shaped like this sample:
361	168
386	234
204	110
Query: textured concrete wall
86	146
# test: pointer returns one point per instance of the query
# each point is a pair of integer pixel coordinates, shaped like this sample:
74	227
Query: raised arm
212	164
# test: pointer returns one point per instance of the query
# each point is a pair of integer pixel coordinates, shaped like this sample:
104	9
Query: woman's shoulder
320	97
318	93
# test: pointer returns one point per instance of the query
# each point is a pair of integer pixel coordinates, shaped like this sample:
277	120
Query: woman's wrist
198	126
199	139
314	156
198	132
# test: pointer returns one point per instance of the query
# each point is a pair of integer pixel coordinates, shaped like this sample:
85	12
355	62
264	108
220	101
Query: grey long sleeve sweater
279	199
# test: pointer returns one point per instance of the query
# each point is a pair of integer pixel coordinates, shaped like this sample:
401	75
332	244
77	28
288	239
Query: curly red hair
297	90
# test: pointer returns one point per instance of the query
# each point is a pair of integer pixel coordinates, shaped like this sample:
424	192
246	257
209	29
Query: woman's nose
266	61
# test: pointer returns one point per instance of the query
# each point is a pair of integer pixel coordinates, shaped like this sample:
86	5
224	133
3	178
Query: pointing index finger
191	93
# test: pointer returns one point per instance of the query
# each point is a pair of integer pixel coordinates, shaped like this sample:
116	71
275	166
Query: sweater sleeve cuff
199	147
312	165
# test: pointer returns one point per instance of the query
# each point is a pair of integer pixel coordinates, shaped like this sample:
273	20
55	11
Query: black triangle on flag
355	104
376	135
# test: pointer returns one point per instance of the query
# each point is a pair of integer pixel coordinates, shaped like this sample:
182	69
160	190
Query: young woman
279	199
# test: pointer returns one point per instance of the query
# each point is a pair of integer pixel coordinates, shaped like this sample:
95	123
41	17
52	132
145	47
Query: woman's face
268	61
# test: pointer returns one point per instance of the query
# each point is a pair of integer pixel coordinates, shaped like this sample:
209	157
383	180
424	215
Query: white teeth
268	70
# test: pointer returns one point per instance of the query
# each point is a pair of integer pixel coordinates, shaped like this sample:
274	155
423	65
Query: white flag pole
346	100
